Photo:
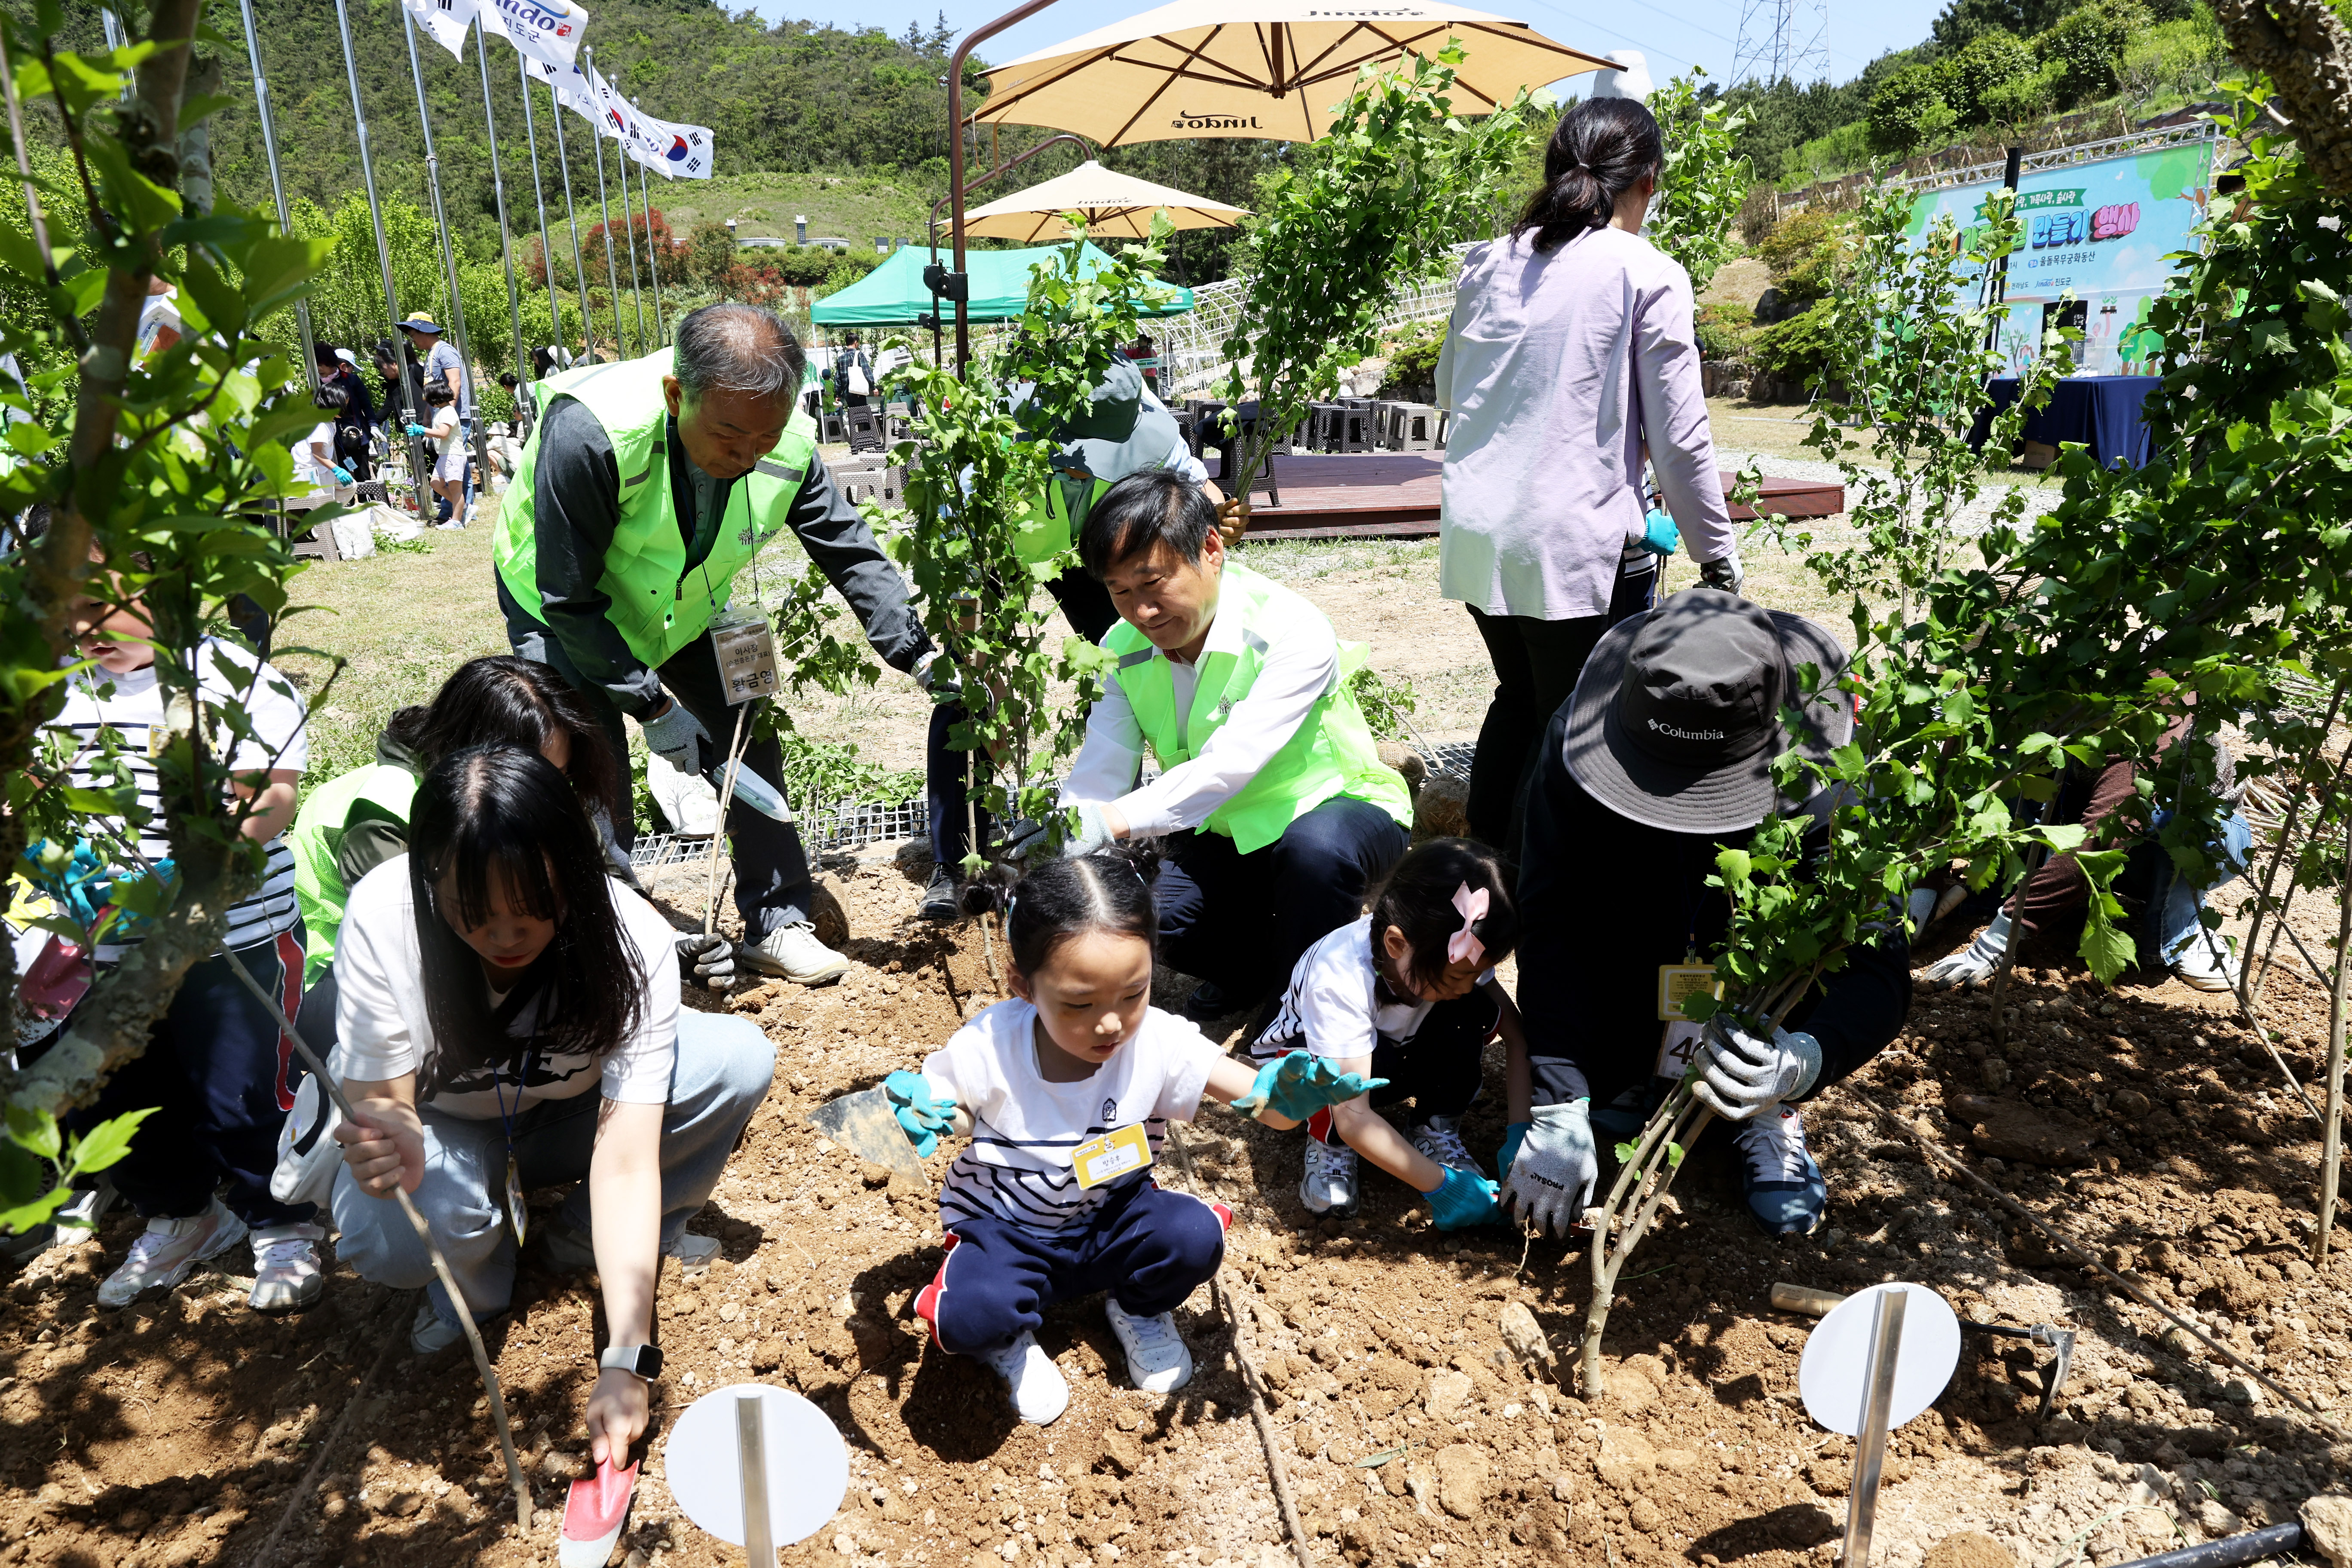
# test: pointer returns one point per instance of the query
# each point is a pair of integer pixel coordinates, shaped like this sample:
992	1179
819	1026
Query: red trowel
593	1515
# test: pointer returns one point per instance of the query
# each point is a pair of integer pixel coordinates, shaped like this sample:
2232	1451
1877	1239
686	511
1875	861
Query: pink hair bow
1463	944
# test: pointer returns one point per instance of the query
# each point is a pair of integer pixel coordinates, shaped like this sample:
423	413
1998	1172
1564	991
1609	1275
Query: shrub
1908	111
1413	353
1799	346
1801	254
1974	79
710	253
2080	54
2185	58
1724	330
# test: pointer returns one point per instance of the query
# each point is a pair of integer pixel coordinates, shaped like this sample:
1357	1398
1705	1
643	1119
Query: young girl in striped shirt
1066	1091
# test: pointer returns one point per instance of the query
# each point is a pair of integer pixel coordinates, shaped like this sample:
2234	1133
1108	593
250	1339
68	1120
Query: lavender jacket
1556	368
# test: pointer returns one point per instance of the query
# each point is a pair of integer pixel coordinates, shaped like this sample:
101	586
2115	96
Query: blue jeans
2174	902
724	1065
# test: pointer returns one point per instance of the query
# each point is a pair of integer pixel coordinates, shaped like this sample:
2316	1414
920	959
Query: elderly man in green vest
647	486
1277	811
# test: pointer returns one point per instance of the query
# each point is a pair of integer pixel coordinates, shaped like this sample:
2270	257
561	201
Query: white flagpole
579	267
383	253
506	238
449	253
277	183
604	206
539	193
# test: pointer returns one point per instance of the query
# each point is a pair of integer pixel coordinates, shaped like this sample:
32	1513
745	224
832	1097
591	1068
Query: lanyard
517	1211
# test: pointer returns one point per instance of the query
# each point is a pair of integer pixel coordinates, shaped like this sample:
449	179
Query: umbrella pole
957	191
971	40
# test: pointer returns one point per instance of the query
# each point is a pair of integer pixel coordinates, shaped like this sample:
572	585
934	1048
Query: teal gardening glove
1462	1198
922	1115
1300	1084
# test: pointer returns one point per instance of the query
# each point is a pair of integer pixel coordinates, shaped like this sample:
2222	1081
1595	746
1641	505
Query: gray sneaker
793	952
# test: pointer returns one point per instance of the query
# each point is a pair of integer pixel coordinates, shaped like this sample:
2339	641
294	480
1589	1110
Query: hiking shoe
693	1252
1157	1359
1784	1189
1329	1184
2203	964
285	1272
167	1249
1040	1393
431	1334
1440	1139
943	899
793	952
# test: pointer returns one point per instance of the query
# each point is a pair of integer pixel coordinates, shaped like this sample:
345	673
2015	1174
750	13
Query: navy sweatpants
224	1076
1149	1247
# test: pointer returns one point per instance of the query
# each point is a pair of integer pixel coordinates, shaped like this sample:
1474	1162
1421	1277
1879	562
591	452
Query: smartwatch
645	1361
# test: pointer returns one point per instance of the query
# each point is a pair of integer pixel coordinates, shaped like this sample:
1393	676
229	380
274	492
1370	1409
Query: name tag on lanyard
1111	1156
745	646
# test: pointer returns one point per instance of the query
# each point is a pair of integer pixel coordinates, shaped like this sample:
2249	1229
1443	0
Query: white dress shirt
1297	670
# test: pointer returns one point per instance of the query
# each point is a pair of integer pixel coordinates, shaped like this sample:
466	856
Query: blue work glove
677	736
1463	1197
1090	833
76	881
343	476
923	1115
1513	1136
419	431
1659	535
1300	1084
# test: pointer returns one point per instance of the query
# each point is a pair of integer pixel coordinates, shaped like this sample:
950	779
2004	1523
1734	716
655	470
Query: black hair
330	396
1109	891
406	728
439	395
502	810
1602	148
1142	507
505	701
323	352
383	353
507	379
1417	900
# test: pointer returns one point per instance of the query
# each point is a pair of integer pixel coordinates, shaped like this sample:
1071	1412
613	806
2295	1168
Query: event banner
2100	244
546	30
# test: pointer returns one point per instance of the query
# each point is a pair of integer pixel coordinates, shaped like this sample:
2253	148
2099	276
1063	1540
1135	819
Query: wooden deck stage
1394	495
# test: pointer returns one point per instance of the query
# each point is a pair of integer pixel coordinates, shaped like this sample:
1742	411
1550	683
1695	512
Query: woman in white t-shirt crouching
1408	994
1066	1092
490	980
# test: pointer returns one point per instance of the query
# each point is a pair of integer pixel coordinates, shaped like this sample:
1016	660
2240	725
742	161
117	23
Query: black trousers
1086	604
1536	666
1242	920
1440	1069
771	869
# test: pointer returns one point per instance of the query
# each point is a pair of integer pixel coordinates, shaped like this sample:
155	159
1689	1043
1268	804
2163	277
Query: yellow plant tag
1677	983
1111	1156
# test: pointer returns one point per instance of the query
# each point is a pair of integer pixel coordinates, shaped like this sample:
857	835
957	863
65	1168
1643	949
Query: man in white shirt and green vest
646	487
1278	811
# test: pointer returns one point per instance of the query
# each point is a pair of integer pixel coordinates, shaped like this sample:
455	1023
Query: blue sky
1673	33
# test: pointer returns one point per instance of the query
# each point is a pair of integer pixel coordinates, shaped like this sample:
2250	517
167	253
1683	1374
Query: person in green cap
646	487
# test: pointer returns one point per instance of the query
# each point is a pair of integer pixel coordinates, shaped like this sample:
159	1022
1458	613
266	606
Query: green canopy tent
893	295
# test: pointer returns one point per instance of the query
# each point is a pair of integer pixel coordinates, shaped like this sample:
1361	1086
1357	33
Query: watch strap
644	1360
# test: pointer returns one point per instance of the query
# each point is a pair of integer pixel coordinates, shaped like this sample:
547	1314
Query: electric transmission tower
1781	40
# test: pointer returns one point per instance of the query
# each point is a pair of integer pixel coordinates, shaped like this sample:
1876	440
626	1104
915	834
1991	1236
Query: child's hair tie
1463	944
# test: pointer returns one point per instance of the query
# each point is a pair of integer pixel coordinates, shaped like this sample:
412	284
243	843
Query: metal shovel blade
864	1124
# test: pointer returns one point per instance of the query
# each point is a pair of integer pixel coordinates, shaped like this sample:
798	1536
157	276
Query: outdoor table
2102	412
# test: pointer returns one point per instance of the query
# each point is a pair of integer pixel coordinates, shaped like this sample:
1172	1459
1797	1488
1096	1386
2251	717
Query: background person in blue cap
444	365
1662	756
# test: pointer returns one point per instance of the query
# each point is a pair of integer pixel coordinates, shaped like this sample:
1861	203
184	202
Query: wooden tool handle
1813	1303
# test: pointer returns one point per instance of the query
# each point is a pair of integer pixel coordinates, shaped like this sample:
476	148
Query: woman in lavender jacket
1570	358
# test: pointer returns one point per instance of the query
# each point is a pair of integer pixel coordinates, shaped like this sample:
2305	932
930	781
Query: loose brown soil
179	1431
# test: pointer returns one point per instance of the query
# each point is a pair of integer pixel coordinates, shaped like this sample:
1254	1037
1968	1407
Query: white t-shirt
1026	1131
383	1031
1338	1005
307	464
132	705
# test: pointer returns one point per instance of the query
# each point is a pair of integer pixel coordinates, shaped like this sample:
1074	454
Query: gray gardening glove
708	957
1726	573
1742	1073
677	736
1552	1176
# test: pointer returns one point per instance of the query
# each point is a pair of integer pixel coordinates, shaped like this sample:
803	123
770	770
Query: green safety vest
1056	529
1332	753
316	840
658	605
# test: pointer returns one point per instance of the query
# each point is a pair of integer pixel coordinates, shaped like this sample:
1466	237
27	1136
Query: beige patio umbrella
1115	205
1259	68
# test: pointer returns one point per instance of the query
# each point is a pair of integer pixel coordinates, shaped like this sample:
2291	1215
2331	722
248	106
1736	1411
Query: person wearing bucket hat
1661	757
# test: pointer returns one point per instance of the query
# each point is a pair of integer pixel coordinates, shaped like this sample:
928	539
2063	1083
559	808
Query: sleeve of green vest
575	508
846	550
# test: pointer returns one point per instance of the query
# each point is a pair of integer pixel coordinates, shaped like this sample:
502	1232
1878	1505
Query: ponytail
1603	147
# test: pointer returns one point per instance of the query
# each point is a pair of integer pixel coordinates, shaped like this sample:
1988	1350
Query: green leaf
107	1142
29	1217
34	1130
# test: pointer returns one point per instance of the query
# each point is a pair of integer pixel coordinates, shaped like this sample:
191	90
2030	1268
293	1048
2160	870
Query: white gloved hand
1973	965
1092	833
1742	1073
1551	1181
673	734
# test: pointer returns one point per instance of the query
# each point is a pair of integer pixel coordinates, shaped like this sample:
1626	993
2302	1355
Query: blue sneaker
1777	1174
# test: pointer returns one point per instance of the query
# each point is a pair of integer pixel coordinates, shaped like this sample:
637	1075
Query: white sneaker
1039	1392
285	1272
78	1221
1157	1359
1329	1184
167	1249
794	952
432	1333
1439	1139
2203	964
693	1252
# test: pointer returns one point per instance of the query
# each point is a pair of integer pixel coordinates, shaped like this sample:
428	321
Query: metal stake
506	239
383	253
448	254
277	182
751	1455
539	193
604	206
1870	1446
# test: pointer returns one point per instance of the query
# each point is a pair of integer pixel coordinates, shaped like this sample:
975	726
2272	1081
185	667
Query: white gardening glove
676	736
1742	1073
1550	1185
1973	965
938	676
1092	833
1726	573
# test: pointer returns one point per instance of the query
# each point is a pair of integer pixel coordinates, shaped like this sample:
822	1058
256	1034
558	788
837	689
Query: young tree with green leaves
1703	180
